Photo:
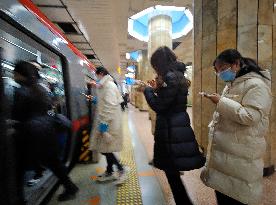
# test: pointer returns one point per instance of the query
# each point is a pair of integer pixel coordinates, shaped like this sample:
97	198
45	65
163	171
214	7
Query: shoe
69	193
33	182
106	177
122	176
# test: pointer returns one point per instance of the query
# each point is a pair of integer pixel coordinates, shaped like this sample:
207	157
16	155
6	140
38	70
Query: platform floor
145	185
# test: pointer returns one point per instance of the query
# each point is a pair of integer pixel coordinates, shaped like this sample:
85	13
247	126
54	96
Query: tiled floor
199	193
141	187
150	184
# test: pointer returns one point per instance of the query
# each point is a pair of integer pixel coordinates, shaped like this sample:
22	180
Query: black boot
69	193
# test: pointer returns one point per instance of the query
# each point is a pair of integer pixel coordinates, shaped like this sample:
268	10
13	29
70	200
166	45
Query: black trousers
112	160
59	169
226	200
178	189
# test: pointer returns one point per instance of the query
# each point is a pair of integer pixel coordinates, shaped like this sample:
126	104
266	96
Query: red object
78	123
43	19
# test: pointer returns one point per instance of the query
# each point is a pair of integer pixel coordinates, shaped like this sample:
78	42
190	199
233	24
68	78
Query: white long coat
237	139
108	111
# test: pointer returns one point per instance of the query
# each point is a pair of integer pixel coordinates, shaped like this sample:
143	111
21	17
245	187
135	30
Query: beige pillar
246	25
143	70
160	34
138	74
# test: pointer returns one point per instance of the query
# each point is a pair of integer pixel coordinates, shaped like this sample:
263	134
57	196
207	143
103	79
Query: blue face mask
227	75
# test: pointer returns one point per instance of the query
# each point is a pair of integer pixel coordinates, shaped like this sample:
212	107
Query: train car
26	34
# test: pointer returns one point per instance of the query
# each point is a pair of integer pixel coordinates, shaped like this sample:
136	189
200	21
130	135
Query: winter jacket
29	102
35	134
108	112
175	146
237	138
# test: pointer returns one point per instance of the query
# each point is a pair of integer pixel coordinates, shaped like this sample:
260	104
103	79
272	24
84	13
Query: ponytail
249	65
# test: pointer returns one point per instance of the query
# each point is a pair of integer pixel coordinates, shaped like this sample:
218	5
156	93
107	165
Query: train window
17	47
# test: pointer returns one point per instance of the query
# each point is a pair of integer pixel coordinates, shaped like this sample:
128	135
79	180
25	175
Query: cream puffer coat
108	111
237	144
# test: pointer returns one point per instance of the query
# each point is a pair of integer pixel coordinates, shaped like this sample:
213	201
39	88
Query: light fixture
127	56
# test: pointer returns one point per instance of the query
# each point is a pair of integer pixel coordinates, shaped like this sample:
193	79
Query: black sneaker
68	194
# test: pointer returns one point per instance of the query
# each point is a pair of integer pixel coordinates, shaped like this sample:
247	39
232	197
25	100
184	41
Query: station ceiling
98	28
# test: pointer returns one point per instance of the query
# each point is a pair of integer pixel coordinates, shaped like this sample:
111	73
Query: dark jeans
178	189
111	160
226	200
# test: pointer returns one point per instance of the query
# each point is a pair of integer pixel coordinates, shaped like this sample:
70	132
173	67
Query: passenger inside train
153	102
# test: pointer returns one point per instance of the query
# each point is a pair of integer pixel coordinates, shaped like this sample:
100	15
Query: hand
152	83
89	97
213	97
94	84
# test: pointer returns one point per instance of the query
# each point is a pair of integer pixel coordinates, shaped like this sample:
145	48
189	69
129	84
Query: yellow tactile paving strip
129	193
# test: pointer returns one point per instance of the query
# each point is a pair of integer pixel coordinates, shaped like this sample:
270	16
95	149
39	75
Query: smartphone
83	94
87	96
204	94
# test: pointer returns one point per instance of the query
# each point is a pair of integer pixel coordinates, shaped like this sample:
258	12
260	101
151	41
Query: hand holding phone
215	98
204	94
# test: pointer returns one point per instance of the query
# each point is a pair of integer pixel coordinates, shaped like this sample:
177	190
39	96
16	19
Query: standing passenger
107	136
36	138
240	122
175	146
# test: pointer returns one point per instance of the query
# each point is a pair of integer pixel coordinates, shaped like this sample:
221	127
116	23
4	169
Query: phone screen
204	94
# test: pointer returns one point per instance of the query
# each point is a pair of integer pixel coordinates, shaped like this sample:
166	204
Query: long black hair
164	60
247	65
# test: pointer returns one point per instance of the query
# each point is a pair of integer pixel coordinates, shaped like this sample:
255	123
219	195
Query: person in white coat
234	166
107	136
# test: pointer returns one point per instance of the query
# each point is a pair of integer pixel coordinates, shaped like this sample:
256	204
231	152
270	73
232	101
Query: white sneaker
122	176
33	182
106	177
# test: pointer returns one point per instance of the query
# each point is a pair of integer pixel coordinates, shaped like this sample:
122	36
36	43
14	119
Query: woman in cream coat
107	136
234	166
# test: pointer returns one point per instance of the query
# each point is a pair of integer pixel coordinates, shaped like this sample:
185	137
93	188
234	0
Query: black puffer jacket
35	134
175	145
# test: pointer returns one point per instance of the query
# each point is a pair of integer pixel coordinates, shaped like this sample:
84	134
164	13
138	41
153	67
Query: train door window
17	47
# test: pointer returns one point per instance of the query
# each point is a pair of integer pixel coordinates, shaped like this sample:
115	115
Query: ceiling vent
67	27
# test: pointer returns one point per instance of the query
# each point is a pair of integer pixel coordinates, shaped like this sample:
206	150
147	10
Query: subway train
26	34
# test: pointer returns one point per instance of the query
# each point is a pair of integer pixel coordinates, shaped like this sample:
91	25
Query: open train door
9	187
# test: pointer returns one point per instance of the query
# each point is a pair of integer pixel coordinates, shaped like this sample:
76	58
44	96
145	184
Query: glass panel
16	47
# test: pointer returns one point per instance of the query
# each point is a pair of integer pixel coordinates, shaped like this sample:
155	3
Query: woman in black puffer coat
175	147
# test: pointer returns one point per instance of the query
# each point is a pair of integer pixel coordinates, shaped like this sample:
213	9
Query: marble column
249	27
160	34
136	95
143	70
